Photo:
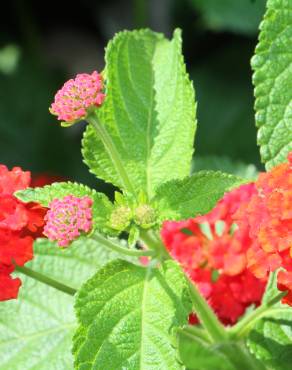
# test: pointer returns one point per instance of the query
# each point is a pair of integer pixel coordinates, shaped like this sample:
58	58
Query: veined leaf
149	112
36	329
128	316
272	65
195	195
271	340
101	208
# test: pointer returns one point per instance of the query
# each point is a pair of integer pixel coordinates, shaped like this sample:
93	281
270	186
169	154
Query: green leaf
195	195
149	112
239	16
197	355
102	207
224	164
271	290
128	316
271	340
272	65
36	329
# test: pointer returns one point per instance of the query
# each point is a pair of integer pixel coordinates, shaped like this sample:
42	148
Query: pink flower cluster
68	217
77	95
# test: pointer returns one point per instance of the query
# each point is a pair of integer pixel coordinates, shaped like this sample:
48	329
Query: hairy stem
46	280
117	248
153	242
243	327
207	317
112	152
196	332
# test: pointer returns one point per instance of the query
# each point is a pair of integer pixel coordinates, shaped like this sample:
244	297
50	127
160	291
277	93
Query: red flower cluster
212	252
268	215
20	224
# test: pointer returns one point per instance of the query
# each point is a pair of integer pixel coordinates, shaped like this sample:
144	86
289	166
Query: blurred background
42	44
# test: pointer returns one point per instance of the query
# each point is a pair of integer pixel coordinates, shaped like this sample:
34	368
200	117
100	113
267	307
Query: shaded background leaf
36	329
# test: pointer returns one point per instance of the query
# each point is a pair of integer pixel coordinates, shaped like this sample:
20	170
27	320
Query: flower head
213	253
67	218
20	224
268	216
77	96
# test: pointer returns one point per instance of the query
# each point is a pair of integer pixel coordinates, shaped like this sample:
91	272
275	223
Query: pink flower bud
77	95
67	218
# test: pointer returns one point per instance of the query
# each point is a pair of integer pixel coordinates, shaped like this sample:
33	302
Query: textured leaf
102	206
271	340
197	355
239	16
149	112
272	65
195	195
128	316
36	329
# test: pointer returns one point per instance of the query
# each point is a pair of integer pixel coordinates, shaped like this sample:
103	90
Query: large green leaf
128	316
36	329
272	65
240	16
195	195
149	112
271	340
102	207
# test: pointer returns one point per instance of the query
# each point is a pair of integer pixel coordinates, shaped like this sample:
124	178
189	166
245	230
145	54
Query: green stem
196	332
206	316
117	248
243	327
112	152
154	243
46	280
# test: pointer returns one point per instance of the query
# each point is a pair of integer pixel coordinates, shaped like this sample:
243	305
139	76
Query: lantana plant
179	270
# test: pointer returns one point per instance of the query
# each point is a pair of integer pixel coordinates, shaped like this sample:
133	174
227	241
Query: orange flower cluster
268	216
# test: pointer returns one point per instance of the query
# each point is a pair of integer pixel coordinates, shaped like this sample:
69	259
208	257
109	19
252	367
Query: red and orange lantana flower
212	251
20	224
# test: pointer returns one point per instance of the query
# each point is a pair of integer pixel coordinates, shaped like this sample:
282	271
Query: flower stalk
112	151
46	280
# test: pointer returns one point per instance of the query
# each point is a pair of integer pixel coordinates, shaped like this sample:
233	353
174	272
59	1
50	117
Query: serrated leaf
195	195
128	316
271	340
197	355
239	16
272	65
36	329
102	207
149	112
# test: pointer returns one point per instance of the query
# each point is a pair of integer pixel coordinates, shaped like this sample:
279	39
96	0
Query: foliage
272	79
133	314
119	312
41	335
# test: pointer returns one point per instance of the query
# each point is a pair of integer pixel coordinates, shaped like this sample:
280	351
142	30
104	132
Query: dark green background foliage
41	45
